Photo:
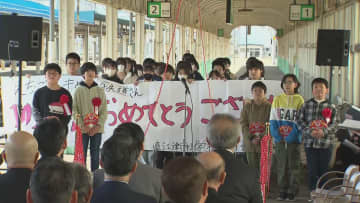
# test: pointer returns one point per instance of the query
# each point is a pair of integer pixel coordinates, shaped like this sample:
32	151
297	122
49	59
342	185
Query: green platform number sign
307	12
302	12
158	9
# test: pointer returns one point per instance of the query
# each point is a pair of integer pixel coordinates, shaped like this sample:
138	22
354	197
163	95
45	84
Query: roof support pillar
213	47
182	41
166	43
139	37
51	43
172	54
111	32
218	48
207	46
191	41
125	39
227	47
66	29
159	35
86	45
198	44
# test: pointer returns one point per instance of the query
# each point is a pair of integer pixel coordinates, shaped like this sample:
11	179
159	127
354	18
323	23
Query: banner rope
169	54
167	63
204	57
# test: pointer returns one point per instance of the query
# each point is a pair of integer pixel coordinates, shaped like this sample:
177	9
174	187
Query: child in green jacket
253	118
90	110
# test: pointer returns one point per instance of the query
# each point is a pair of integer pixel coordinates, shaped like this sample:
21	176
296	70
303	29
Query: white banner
164	122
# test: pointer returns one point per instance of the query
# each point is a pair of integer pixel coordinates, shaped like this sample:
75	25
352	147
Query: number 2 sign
158	9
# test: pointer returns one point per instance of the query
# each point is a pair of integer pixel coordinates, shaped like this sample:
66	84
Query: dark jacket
145	180
197	76
113	79
154	78
46	102
13	185
213	196
115	192
241	182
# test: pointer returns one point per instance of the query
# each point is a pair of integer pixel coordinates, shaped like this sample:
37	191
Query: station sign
158	9
302	12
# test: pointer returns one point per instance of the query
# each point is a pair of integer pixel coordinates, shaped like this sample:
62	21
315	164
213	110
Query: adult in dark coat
184	180
145	180
117	191
119	157
215	171
21	154
242	182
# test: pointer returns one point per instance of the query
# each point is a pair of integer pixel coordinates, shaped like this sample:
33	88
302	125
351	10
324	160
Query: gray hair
52	181
223	131
83	182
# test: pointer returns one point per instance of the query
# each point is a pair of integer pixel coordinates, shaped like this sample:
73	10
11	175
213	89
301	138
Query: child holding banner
287	136
254	115
90	109
317	121
52	100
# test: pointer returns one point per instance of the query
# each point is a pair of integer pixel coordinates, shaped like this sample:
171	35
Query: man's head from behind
52	181
184	180
121	151
21	150
223	132
51	137
215	168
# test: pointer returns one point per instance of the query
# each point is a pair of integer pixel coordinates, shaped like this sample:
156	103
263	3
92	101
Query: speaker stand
330	85
19	95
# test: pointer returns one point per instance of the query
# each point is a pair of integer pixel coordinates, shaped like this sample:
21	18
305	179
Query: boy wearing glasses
52	100
72	63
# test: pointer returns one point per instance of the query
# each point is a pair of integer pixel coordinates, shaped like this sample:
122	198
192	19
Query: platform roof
274	13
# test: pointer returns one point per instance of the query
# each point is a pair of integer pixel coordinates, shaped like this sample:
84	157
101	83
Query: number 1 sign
302	12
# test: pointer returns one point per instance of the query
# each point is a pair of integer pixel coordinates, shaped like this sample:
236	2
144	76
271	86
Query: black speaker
333	47
20	38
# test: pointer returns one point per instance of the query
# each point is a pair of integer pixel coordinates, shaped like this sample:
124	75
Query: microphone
185	84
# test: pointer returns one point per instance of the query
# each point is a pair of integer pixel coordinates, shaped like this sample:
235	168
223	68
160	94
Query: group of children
87	106
292	122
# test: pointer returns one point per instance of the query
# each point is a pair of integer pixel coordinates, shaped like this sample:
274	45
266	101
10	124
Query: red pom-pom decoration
64	99
96	101
326	113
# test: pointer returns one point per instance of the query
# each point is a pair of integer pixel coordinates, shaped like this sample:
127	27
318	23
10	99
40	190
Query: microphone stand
19	96
187	91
